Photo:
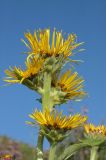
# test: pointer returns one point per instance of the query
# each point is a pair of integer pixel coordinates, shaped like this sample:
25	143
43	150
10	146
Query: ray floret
18	75
71	84
56	120
95	130
44	43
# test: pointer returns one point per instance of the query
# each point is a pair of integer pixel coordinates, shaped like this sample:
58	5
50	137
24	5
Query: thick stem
39	154
52	155
93	155
46	102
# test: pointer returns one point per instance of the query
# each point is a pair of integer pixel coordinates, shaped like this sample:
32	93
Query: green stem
46	102
39	155
52	155
93	155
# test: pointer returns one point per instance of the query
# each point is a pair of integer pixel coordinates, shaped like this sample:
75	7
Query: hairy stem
52	151
46	100
39	155
93	155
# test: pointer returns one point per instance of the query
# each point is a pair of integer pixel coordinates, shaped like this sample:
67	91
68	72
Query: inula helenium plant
47	56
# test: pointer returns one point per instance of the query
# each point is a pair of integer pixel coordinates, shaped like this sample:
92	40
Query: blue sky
85	18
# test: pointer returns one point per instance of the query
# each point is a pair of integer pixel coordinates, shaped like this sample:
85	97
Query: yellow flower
41	43
17	75
6	156
95	130
72	85
55	120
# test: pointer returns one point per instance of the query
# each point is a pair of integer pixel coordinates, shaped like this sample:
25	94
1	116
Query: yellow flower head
95	130
6	157
17	75
55	120
41	42
72	85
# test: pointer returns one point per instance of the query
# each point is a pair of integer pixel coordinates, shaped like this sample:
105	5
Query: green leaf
70	151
